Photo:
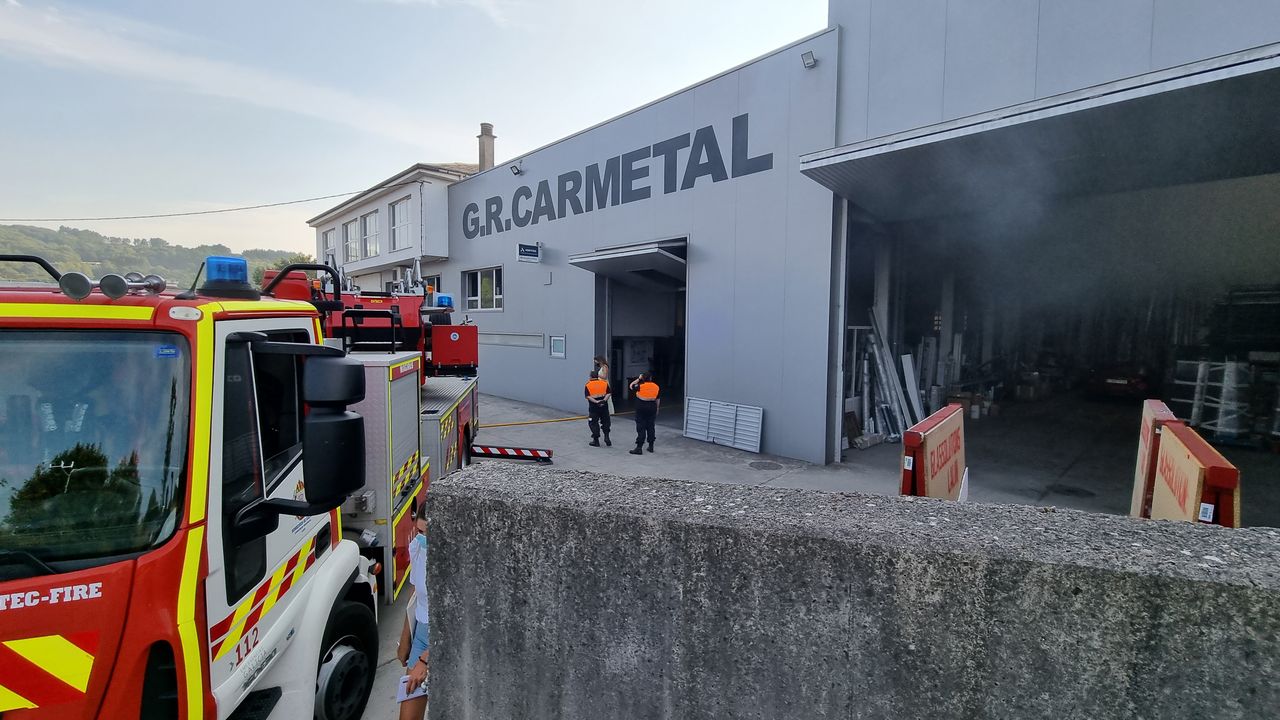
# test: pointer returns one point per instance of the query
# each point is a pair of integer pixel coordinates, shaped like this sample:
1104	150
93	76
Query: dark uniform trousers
599	419
646	414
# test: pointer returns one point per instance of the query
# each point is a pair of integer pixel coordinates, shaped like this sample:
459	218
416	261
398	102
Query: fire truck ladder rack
355	316
498	452
321	304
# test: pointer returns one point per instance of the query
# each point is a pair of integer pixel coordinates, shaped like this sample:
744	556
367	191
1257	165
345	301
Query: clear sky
133	107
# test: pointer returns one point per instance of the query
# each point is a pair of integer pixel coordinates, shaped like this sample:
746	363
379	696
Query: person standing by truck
417	660
597	393
646	392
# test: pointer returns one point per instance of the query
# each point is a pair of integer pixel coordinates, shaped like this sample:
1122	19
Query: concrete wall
759	246
576	596
911	63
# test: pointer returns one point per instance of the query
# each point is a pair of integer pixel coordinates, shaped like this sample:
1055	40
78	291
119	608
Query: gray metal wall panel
908	47
792	111
1088	42
991	55
1189	30
911	63
853	19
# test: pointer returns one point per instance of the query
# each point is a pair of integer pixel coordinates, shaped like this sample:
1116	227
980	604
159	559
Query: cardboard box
963	399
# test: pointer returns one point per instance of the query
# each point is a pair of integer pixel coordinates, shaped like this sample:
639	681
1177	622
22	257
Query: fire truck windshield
93	438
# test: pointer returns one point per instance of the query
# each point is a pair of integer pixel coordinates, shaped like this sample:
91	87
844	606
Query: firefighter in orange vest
646	391
597	392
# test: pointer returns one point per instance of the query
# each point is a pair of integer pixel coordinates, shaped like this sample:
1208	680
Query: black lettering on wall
704	143
668	149
493	215
621	180
568	186
602	191
543	206
471	221
521	218
743	165
631	173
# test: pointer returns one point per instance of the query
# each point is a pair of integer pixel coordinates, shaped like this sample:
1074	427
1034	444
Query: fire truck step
257	705
499	452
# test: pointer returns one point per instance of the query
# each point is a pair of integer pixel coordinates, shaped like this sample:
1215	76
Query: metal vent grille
722	423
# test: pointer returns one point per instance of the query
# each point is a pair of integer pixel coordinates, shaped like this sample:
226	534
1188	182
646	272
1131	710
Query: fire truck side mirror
332	437
333	452
332	382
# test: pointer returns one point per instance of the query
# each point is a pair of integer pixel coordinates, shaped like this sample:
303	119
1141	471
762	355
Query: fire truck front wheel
347	664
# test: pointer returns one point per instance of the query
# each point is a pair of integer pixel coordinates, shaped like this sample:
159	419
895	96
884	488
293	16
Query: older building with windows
377	236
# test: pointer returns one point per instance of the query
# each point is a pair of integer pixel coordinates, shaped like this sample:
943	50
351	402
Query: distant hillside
96	255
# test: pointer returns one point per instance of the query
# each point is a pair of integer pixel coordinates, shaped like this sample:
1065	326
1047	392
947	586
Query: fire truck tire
347	663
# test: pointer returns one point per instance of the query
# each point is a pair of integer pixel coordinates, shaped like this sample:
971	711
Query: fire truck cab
171	468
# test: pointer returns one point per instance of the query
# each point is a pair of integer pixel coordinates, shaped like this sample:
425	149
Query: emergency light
228	277
219	268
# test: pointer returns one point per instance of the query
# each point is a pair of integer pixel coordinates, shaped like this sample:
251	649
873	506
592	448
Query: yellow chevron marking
302	562
10	700
236	631
57	656
237	625
274	593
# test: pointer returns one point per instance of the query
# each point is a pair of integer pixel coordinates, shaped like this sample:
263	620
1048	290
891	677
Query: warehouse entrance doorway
640	315
1051	267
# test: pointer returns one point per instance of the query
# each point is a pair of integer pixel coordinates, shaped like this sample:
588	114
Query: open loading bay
1050	267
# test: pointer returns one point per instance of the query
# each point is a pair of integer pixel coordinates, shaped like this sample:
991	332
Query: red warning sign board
1193	481
1155	416
933	462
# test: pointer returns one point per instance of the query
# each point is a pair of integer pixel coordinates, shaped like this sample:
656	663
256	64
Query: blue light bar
219	268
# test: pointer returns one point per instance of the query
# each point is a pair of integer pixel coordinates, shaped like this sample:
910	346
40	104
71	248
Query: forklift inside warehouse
1050	265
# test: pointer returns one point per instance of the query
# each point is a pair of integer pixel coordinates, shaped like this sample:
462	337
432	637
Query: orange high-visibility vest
597	388
647	391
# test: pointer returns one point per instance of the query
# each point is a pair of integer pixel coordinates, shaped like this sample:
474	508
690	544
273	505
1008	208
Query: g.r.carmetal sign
623	179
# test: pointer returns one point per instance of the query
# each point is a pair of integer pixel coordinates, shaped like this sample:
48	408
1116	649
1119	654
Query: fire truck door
254	579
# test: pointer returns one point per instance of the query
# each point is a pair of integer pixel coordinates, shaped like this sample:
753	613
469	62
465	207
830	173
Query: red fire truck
387	321
171	468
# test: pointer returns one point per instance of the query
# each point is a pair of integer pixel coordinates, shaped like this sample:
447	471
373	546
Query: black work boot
637	451
607	441
650	447
595	442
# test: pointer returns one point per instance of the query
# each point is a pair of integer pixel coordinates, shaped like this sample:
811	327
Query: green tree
296	258
79	500
95	255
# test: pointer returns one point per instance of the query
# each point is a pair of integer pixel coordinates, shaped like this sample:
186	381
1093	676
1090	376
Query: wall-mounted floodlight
808	59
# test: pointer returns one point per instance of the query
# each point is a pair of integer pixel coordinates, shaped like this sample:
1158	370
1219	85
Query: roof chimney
486	146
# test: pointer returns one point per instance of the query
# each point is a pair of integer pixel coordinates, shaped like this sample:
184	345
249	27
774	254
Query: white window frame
496	272
351	241
433	281
399	211
369	240
328	240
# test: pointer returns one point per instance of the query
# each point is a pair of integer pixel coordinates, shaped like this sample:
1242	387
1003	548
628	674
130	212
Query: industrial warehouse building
1021	193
